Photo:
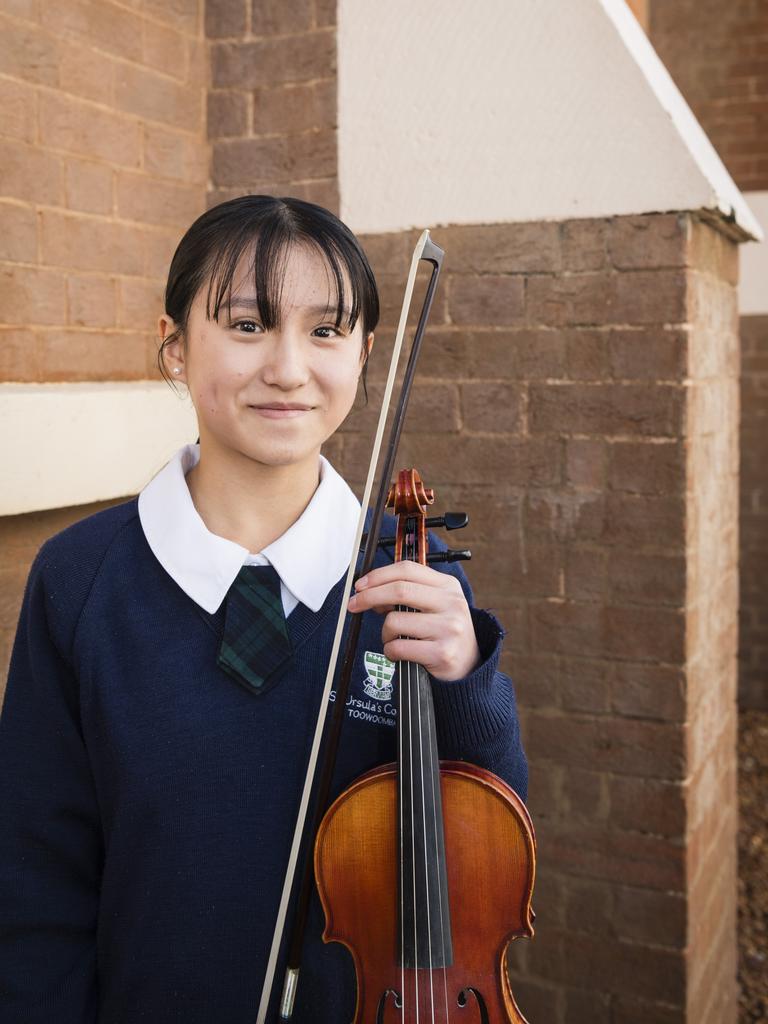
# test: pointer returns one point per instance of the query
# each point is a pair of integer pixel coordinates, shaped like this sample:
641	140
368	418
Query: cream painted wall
487	111
71	444
753	273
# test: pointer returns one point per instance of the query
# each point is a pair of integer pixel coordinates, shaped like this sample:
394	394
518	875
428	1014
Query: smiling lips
281	410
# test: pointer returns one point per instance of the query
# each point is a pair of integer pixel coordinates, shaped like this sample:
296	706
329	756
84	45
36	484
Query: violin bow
318	780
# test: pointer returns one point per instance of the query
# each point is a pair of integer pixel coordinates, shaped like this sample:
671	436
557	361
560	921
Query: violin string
422	791
435	853
431	740
402	882
413	845
409	555
415	684
432	760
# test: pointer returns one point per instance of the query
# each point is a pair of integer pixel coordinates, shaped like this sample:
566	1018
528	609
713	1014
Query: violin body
490	866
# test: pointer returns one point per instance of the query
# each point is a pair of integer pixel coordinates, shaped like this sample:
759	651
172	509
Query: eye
328	331
247	326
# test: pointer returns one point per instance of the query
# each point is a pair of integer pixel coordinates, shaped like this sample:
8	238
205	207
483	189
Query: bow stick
320	780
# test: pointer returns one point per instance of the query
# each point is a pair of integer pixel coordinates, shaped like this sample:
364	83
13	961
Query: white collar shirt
310	557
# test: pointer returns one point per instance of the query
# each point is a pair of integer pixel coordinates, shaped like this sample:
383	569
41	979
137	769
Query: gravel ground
753	867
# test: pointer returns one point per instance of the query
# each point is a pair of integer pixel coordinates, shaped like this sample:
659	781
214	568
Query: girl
165	678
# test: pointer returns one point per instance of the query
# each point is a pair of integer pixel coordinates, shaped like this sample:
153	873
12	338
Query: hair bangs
267	250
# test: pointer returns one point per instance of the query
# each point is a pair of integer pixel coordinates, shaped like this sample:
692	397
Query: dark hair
213	246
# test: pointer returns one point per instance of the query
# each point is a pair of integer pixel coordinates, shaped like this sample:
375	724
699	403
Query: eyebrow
248	302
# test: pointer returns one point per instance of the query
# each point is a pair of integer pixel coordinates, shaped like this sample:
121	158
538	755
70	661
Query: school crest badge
380	669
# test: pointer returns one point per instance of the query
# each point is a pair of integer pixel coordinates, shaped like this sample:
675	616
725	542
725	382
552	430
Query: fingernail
352	600
362	583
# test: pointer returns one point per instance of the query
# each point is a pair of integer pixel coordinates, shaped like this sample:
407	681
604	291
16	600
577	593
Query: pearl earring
176	370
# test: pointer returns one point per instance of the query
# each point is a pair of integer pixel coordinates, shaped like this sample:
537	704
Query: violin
455	843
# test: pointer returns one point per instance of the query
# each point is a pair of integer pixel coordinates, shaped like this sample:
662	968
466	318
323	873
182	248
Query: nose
285	366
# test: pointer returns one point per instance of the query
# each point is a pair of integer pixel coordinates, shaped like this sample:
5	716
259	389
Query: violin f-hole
463	1000
383	1004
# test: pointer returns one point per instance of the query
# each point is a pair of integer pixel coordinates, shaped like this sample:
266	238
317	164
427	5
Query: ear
365	355
173	352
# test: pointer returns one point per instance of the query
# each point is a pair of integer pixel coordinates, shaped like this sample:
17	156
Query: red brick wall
104	164
753	522
718	56
578	396
272	103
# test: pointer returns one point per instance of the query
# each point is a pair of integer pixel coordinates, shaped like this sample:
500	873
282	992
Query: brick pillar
712	600
578	396
719	65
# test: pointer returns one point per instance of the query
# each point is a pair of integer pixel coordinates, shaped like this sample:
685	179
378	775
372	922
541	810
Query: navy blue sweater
148	799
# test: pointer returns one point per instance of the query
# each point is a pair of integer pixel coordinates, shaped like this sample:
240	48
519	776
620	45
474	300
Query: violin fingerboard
425	926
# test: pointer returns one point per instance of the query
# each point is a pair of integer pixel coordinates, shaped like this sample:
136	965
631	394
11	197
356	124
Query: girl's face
271	396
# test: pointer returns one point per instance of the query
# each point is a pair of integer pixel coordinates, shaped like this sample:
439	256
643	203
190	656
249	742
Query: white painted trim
753	273
507	111
71	444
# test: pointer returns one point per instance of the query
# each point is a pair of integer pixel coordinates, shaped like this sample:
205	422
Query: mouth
281	410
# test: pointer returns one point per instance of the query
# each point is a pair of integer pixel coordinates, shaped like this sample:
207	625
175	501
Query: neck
248	502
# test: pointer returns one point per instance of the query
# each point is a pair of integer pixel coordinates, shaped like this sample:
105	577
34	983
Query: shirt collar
310	557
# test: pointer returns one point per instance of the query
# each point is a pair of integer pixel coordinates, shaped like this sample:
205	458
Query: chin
279	455
270	451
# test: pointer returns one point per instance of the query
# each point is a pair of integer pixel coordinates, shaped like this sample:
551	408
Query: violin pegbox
409	499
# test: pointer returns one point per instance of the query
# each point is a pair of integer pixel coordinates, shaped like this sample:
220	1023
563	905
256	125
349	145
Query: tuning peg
451	520
450	556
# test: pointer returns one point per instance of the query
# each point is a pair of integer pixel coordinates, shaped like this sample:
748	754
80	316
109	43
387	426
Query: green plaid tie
256	640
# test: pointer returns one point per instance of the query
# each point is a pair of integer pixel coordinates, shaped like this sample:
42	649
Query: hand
439	634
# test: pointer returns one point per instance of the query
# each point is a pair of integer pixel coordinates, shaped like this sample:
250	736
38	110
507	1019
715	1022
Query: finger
407	593
406	570
442	661
422	652
414	625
